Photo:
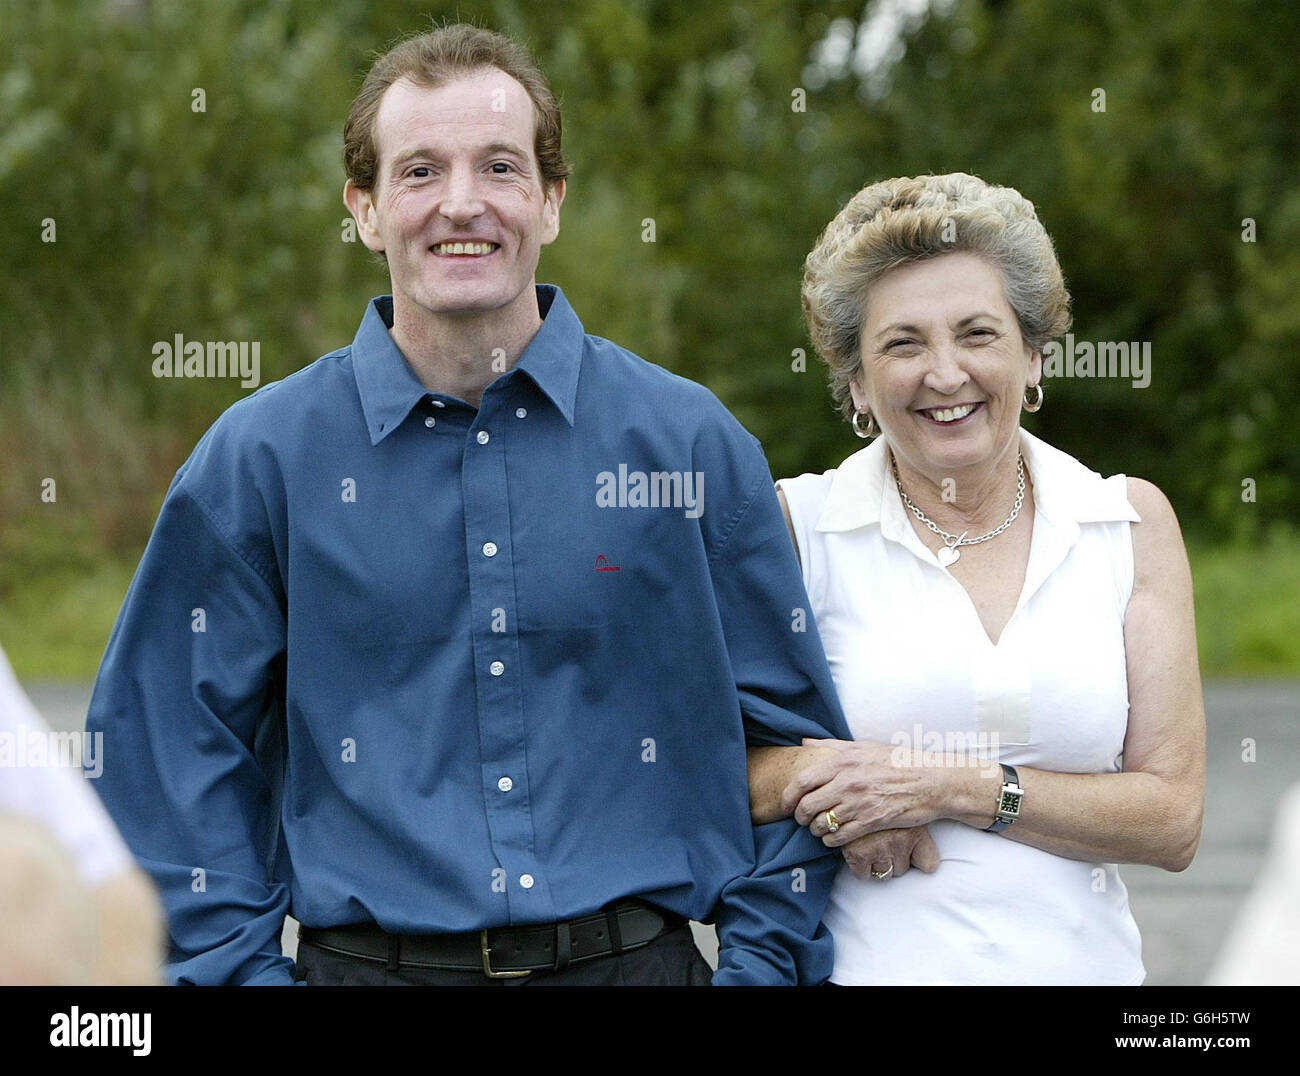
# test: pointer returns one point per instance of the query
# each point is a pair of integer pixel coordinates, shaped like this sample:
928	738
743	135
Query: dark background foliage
227	224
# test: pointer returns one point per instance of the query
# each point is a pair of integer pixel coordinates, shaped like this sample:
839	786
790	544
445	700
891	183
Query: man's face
458	205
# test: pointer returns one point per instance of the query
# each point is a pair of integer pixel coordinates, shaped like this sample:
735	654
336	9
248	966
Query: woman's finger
806	780
817	802
865	848
848	832
925	853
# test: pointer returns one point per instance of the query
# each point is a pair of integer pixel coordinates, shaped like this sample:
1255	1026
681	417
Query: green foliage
1247	616
56	626
228	223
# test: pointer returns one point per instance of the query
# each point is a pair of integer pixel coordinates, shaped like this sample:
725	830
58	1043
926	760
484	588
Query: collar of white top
1065	491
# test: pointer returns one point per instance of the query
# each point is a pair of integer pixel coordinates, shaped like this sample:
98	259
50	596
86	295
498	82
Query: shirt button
505	784
431	422
526	880
521	412
496	668
489	549
438	403
483	437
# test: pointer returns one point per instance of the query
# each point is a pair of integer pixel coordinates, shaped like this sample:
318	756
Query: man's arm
181	697
771	769
769	922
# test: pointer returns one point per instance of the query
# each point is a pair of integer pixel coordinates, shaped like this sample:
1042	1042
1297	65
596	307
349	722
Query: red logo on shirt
603	564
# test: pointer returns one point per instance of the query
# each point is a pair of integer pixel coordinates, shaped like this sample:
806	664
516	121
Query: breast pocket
579	592
1002	700
585	582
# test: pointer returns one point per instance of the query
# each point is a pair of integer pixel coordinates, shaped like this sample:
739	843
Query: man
450	643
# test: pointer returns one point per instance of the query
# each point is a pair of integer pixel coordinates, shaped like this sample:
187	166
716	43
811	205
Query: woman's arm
1149	813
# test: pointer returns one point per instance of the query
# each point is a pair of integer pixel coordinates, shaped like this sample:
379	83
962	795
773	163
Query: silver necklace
948	555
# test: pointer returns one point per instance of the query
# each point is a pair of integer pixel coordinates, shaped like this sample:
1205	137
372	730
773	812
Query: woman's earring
1033	403
871	430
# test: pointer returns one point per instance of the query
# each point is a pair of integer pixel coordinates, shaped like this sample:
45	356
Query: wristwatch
1010	799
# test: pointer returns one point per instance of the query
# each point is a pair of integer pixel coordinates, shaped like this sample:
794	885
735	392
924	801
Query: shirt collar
389	387
553	358
1065	491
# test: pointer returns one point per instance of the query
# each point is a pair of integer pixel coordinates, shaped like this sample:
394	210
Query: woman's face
944	367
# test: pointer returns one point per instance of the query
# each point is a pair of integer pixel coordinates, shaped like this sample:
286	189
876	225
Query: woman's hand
889	853
869	786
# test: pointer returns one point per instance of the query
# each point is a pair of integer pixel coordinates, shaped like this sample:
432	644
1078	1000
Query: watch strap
1010	788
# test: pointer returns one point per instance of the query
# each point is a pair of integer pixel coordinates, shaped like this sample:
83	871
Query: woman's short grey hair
913	218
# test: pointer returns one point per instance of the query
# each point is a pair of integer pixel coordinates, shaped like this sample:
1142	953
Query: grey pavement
1184	917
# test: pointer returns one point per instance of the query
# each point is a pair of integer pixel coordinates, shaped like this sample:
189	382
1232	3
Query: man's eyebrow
507	147
411	154
425	151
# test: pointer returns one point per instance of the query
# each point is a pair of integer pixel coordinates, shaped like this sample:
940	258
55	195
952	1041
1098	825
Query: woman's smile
956	415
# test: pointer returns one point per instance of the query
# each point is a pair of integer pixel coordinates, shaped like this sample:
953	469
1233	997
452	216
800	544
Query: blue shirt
390	657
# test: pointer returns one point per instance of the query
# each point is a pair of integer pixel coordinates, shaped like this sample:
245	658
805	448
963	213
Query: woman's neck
973	500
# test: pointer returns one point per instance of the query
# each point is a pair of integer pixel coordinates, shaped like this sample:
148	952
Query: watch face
1010	803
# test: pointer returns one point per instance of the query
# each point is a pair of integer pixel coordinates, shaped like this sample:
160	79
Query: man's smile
464	249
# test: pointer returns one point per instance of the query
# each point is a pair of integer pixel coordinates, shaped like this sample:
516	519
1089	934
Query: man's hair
433	59
913	218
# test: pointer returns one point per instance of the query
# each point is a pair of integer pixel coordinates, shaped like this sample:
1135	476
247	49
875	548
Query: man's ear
551	212
362	209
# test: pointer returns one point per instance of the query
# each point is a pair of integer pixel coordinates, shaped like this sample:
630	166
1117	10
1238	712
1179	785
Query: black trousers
669	960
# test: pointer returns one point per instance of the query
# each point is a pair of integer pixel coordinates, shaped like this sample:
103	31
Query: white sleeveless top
914	667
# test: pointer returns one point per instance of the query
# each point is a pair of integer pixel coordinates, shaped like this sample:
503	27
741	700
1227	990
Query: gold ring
883	874
832	823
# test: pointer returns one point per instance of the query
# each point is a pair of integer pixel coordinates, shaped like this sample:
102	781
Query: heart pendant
947	555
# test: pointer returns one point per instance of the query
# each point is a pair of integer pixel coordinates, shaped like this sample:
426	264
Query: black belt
504	952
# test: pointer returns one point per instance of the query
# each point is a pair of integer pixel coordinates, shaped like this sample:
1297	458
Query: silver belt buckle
486	950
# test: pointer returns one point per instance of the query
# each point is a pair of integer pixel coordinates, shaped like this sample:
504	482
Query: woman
1011	634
